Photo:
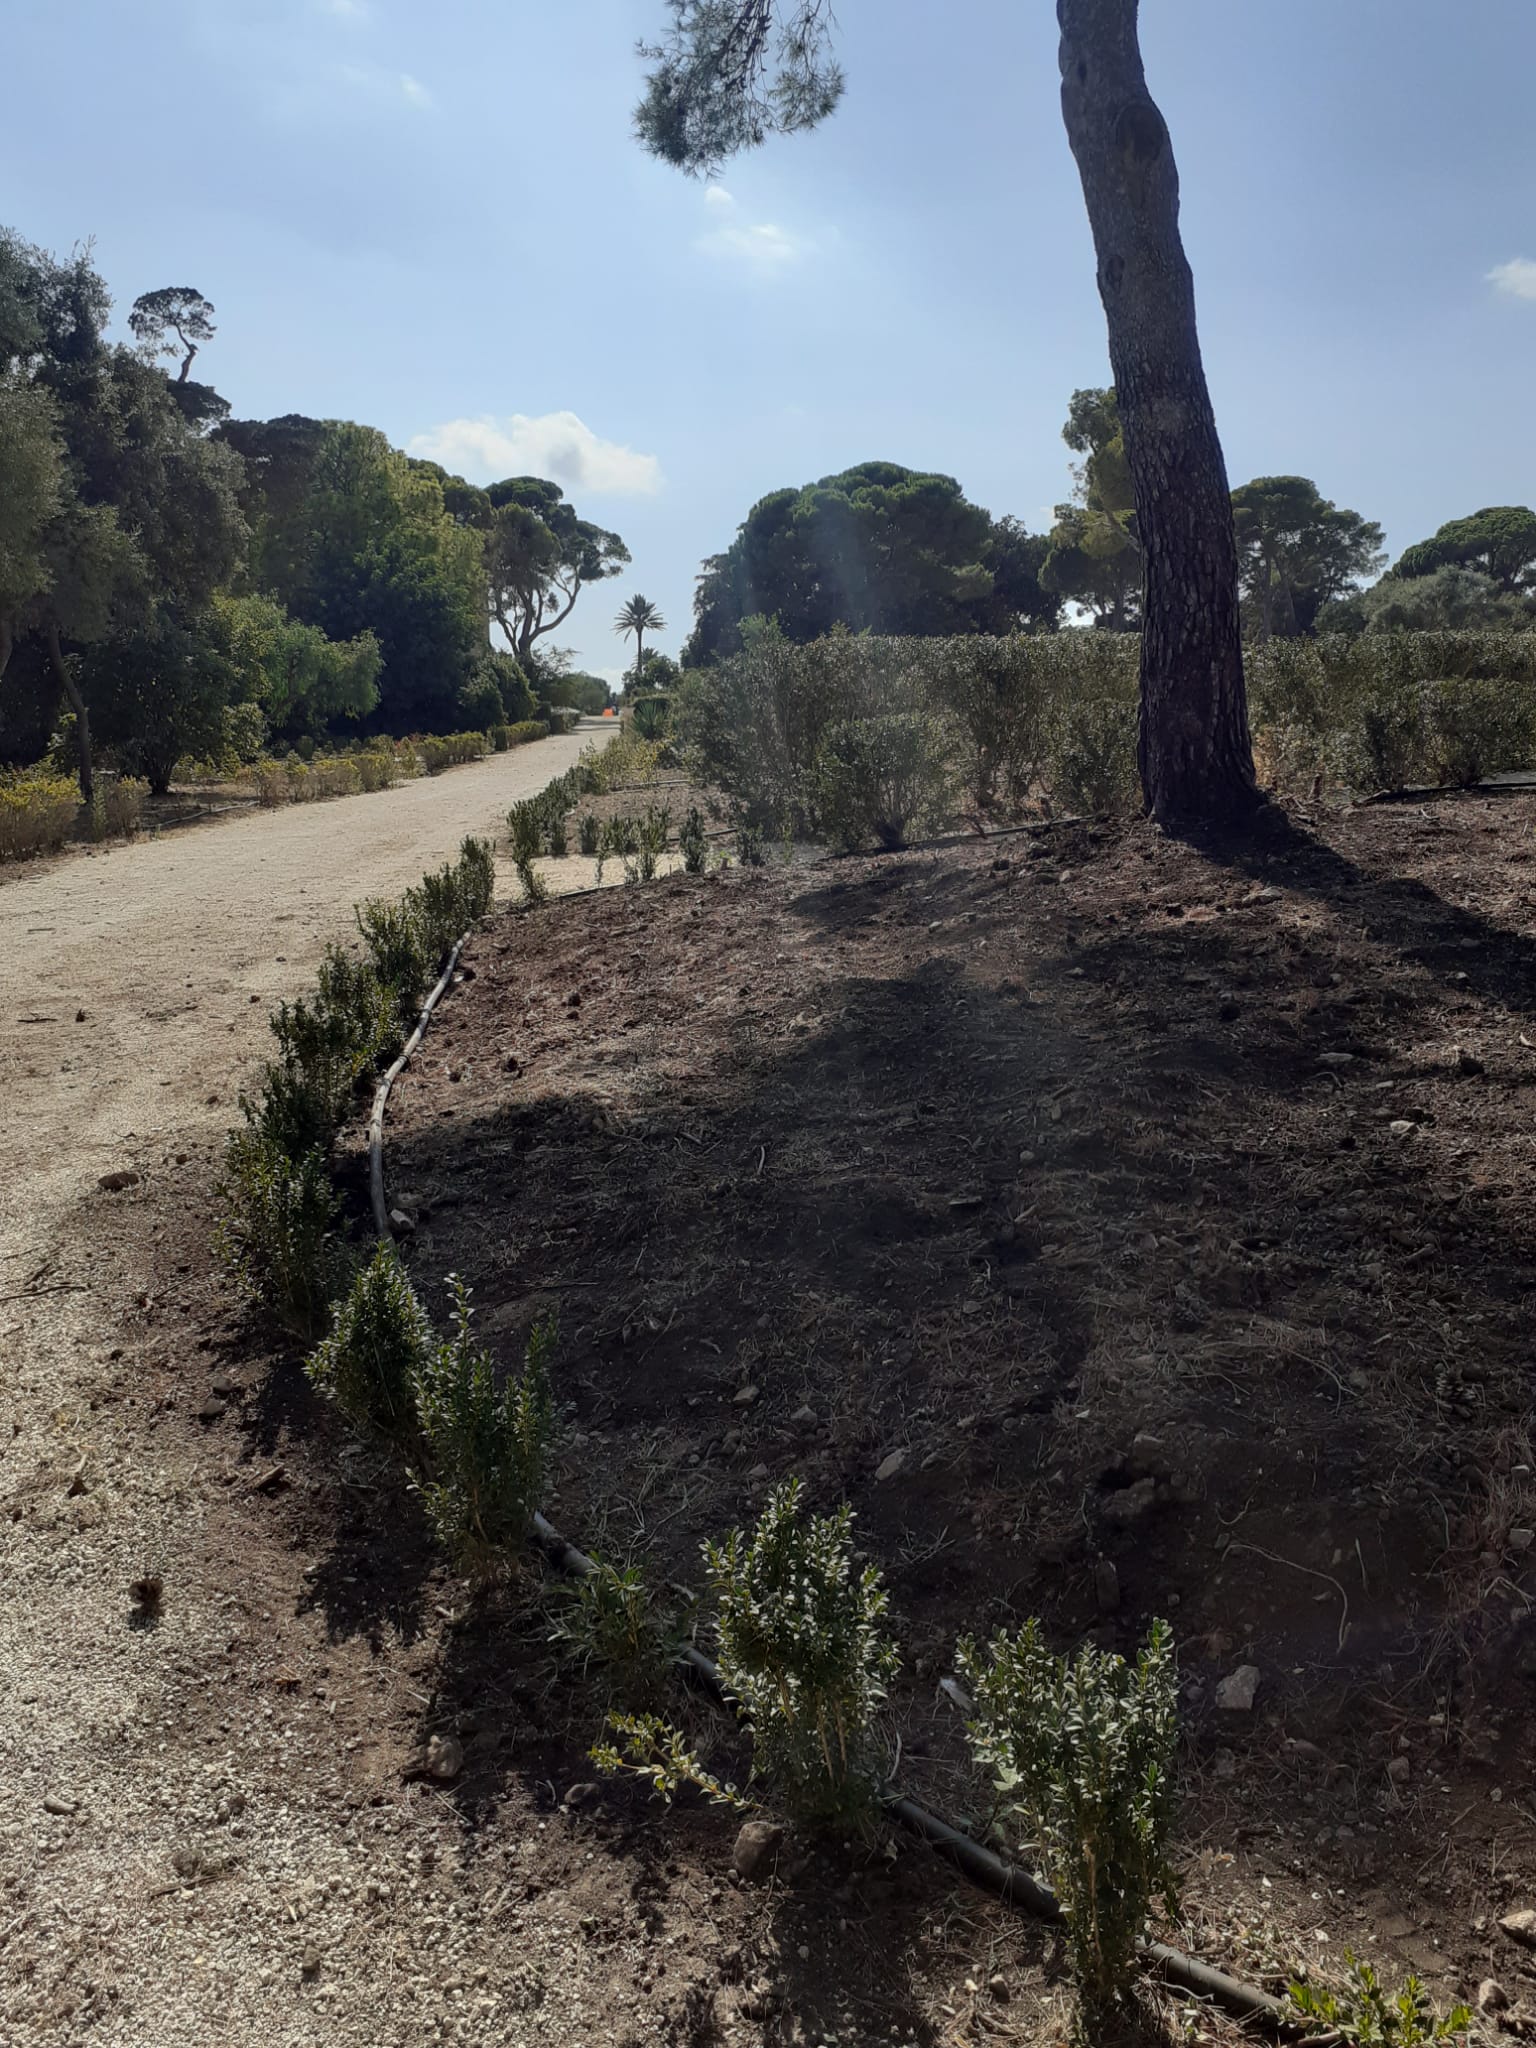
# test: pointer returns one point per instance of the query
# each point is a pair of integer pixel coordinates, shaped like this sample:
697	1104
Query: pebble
1399	1770
806	1417
998	1986
746	1397
1520	1926
1106	1586
224	1383
1130	1503
114	1183
212	1407
402	1222
890	1465
757	1846
1237	1690
445	1756
53	1802
758	1472
1491	1996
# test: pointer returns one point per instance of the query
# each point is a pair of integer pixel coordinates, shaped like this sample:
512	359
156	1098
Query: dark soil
1125	1205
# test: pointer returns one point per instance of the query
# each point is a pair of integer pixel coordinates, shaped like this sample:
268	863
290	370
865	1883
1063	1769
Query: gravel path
188	1852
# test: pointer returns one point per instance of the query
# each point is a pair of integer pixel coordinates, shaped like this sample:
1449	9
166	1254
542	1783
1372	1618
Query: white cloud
345	10
385	88
758	249
558	445
1516	279
415	91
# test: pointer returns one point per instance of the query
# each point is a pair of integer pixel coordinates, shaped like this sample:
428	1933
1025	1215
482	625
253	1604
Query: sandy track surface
176	1849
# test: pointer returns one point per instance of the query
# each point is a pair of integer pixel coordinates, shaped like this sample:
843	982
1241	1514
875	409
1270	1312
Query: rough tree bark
1193	745
77	704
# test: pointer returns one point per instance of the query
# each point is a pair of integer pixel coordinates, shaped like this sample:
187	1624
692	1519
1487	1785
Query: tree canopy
1094	557
1500	541
1298	551
877	547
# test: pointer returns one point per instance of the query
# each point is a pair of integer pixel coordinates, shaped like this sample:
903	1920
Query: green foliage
525	824
277	1228
379	1344
609	1618
693	842
653	717
801	1650
537	557
1366	2015
555	832
1500	541
487	1446
1297	551
527	729
1083	1749
749	846
877	778
588	831
447	904
656	1751
1094	556
397	947
37	813
298	677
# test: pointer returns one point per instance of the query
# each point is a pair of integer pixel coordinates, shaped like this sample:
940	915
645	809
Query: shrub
659	1753
332	775
525	825
123	798
276	1232
526	729
500	735
1092	763
397	949
609	1618
37	813
272	784
693	842
588	831
1366	2014
446	904
477	878
435	756
555	833
1083	1750
377	769
653	717
326	1043
749	845
487	1446
801	1651
379	1343
878	777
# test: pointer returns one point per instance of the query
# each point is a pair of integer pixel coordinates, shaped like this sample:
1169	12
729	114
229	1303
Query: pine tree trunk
1193	748
77	704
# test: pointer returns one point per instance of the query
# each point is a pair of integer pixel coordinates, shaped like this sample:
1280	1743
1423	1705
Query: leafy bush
588	832
653	717
876	778
656	1751
272	784
526	729
276	1231
1092	760
801	1651
693	843
435	756
332	775
377	768
749	845
609	1618
487	1446
37	813
525	826
122	804
397	948
379	1343
555	833
446	904
500	735
1365	2014
1083	1750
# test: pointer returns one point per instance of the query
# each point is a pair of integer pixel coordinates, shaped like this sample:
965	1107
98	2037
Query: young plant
801	1650
609	1618
398	951
380	1341
487	1446
691	839
1364	2015
477	880
525	826
556	836
588	832
656	1751
749	845
1083	1750
277	1229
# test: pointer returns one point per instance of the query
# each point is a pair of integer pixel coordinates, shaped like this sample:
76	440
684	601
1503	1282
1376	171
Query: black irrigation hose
982	1866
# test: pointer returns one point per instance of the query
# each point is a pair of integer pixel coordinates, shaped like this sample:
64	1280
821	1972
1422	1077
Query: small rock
890	1465
1399	1770
998	1986
54	1803
1235	1694
962	1203
1106	1586
79	1016
1521	1926
310	1965
805	1416
1521	1539
212	1408
758	1472
745	1397
1130	1503
1491	1996
1401	1127
585	1794
757	1848
401	1222
445	1757
224	1383
114	1183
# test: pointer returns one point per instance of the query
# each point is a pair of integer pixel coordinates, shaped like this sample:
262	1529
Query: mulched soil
1125	1229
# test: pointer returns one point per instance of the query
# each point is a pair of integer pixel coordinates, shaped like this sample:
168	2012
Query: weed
487	1446
801	1650
1365	2014
379	1342
653	1749
609	1618
1083	1750
277	1229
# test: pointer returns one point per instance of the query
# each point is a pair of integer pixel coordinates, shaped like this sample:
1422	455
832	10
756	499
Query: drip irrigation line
981	1866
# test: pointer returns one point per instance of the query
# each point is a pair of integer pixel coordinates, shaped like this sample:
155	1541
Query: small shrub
653	717
446	904
1364	2013
37	813
526	828
332	775
801	1650
524	730
588	831
276	1232
693	842
397	949
436	755
379	1343
656	1751
878	778
272	784
123	799
609	1618
1083	1751
1093	753
477	879
749	845
487	1446
500	735
377	769
556	835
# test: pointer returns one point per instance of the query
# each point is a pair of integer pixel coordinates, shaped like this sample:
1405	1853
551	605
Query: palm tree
639	617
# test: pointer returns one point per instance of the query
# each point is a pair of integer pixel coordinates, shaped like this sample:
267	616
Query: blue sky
434	219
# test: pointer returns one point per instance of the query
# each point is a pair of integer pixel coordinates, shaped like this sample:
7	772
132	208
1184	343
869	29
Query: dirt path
138	1902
